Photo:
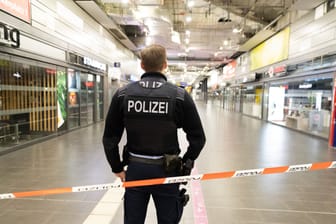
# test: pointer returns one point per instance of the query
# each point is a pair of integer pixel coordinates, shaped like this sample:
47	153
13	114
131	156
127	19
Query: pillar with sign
332	133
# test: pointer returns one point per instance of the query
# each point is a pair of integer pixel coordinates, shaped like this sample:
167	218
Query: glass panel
83	100
100	98
252	100
28	102
73	98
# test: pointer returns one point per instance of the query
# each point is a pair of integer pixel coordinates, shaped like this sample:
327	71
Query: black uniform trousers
167	201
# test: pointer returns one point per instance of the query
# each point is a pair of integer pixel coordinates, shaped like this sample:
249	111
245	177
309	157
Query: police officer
151	110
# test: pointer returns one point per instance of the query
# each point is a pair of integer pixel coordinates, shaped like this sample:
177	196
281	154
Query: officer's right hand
121	175
187	167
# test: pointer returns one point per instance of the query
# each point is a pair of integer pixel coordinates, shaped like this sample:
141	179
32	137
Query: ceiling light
224	20
17	75
182	54
188	19
148	40
175	37
237	30
191	4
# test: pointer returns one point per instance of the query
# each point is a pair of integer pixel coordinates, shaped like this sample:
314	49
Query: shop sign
229	70
305	86
116	64
249	78
76	59
9	36
277	71
93	63
18	8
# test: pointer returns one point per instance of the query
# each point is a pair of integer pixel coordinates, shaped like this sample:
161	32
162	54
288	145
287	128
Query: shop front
232	98
40	99
28	100
252	100
302	103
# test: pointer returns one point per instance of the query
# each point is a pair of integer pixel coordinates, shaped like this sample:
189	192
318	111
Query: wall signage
277	71
18	8
9	36
86	61
93	63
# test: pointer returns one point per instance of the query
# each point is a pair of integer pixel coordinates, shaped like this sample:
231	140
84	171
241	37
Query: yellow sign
271	51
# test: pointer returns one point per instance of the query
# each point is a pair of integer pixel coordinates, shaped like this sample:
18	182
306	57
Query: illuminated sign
9	36
271	51
76	59
305	86
277	71
17	8
93	63
230	69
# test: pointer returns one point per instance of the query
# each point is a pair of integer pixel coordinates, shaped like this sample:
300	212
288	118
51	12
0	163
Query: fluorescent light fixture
175	37
236	30
188	19
148	40
191	3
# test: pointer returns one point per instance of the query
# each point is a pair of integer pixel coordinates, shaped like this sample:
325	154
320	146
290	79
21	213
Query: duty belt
158	161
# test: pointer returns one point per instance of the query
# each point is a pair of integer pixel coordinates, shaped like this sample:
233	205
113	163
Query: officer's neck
158	75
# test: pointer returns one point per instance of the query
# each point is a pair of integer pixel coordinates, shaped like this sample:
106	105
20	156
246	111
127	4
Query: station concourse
234	142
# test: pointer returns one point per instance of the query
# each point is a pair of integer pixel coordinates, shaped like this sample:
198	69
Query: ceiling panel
208	38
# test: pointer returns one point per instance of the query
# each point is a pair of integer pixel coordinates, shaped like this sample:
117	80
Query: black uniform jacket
185	117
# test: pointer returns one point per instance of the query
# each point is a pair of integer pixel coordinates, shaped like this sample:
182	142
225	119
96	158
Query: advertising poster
17	8
61	99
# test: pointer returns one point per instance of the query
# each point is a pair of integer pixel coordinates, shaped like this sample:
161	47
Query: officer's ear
164	66
142	66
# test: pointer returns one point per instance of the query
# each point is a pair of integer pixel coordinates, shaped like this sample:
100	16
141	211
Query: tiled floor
234	142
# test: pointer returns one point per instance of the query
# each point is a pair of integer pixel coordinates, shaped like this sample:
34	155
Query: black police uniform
151	110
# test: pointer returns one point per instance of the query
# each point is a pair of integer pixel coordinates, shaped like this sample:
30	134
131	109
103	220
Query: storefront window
28	105
252	100
100	98
86	98
62	114
302	104
73	98
232	99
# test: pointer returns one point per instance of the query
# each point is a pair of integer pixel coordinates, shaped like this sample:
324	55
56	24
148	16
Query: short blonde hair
153	58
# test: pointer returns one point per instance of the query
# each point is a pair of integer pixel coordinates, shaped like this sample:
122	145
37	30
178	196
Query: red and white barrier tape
178	179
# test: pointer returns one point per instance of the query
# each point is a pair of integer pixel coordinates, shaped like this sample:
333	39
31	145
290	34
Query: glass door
99	95
87	99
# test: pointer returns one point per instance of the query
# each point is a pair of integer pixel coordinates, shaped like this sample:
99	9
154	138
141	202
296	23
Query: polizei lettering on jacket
148	106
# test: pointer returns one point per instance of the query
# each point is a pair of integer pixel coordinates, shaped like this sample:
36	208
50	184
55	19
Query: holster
172	164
